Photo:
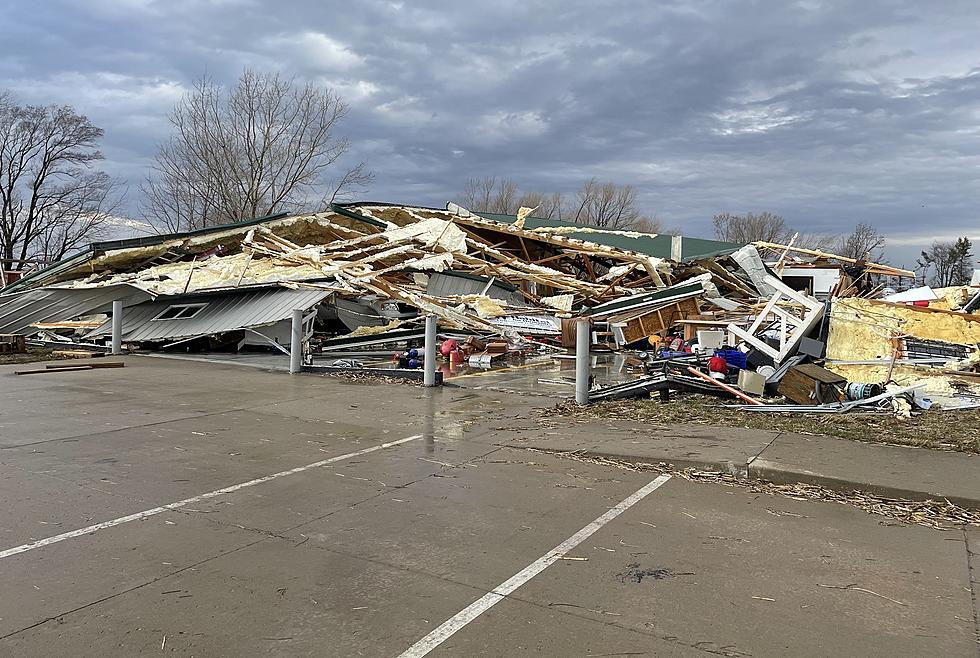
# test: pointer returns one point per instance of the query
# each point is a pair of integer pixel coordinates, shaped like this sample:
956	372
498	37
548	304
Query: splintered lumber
76	354
876	267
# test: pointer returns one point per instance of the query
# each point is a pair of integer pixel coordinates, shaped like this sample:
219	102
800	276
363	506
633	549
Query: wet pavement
231	511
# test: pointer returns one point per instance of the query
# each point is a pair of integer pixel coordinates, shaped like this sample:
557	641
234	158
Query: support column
583	360
676	248
117	318
296	342
429	358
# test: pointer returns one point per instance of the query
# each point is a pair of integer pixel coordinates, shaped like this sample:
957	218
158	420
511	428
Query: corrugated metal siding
20	310
227	311
447	284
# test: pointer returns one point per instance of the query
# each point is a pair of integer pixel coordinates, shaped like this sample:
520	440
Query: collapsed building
364	275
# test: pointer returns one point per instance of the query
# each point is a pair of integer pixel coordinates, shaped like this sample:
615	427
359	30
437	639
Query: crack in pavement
209	414
722	651
253	408
128	590
766	447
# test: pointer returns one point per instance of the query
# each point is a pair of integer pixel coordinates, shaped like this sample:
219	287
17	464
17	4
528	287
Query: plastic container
732	357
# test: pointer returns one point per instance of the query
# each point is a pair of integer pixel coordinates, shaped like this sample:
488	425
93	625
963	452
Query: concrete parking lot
185	508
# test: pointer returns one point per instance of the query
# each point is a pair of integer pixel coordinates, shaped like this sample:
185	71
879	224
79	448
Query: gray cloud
826	112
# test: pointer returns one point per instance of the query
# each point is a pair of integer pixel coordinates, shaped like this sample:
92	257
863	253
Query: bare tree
261	147
604	205
51	199
607	205
764	227
864	243
488	194
950	262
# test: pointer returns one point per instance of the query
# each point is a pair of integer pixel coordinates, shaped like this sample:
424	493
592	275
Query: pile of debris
680	314
835	341
364	275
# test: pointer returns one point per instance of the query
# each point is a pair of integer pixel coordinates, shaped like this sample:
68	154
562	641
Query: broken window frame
185	312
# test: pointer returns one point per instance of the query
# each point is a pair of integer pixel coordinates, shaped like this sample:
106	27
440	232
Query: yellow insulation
862	329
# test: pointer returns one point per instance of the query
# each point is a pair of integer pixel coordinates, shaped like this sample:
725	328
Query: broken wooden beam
70	368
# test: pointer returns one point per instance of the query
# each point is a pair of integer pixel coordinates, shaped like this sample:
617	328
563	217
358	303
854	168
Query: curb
763	470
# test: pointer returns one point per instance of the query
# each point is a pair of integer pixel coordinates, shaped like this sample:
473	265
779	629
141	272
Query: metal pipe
296	342
583	365
429	354
725	387
117	318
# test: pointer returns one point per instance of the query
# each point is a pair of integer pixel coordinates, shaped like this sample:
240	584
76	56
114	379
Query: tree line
601	204
269	144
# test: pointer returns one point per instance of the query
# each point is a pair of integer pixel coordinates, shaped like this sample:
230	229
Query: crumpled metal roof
224	311
18	311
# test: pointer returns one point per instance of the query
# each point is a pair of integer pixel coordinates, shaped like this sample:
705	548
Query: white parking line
23	548
492	598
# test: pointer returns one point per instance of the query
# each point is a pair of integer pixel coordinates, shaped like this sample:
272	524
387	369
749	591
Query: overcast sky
827	113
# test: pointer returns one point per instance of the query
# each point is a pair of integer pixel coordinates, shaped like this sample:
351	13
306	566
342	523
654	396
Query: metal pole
117	318
429	358
296	342
583	365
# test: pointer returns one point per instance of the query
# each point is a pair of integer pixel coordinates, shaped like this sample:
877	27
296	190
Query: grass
941	430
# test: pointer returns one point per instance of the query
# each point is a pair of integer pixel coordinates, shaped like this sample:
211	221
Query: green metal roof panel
650	244
692	248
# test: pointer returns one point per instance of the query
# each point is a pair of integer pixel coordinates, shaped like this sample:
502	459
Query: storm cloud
827	113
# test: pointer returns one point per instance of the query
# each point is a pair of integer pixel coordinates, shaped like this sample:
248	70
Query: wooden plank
102	364
588	267
43	370
819	374
70	368
878	267
527	256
